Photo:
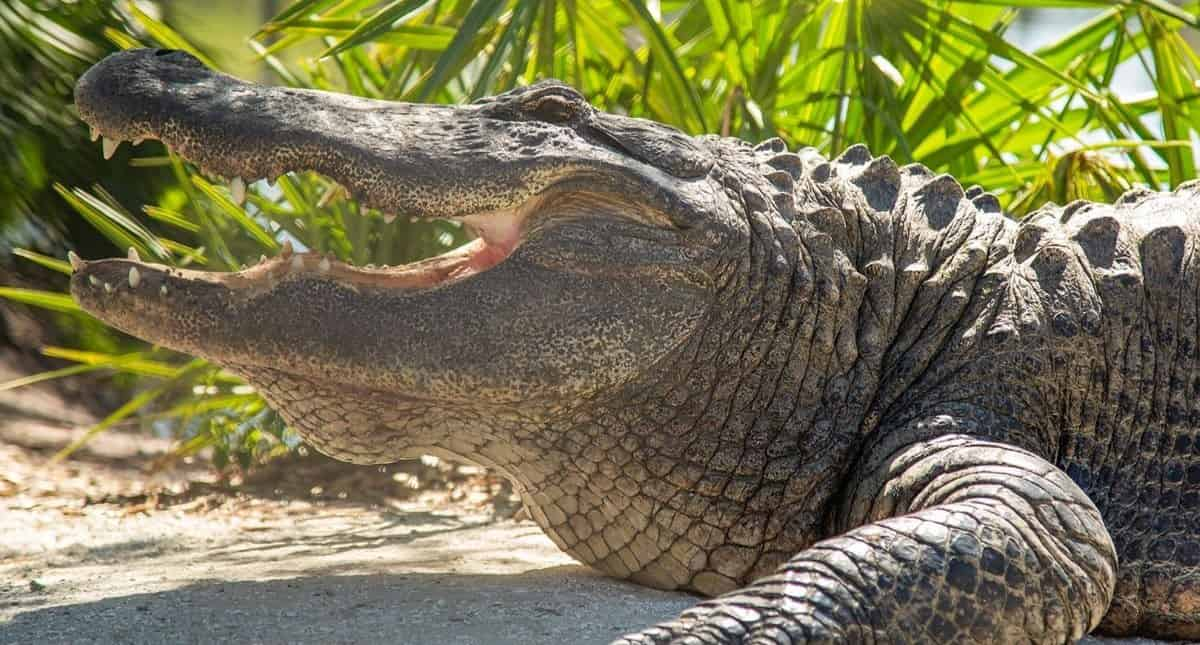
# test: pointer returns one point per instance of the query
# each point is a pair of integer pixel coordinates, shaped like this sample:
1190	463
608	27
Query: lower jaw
471	258
497	235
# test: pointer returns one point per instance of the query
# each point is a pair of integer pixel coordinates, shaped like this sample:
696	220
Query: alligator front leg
957	540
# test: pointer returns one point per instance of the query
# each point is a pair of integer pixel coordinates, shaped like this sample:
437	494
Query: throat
499	235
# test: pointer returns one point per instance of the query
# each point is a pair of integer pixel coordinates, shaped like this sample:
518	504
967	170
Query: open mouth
486	166
577	270
494	236
425	161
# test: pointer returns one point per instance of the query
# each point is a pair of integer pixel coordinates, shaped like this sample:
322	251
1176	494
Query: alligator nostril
164	52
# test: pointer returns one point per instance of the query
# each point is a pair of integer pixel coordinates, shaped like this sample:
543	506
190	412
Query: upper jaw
414	159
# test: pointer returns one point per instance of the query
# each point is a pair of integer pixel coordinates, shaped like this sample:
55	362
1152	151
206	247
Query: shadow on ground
566	604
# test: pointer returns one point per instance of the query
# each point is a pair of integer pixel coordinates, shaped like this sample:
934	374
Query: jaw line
497	235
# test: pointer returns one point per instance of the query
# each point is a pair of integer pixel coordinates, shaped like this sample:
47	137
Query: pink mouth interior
499	234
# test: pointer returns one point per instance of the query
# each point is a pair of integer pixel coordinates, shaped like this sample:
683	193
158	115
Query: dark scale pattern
1131	389
850	400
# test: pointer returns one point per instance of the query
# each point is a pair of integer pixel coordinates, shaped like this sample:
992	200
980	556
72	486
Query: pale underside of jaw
496	236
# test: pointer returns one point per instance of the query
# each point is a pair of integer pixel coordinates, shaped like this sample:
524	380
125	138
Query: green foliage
42	58
921	80
44	47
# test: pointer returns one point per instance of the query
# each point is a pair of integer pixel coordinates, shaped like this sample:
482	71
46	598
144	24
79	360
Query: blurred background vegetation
1037	100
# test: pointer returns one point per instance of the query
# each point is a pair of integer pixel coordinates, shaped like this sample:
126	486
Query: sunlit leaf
377	24
54	264
130	407
44	299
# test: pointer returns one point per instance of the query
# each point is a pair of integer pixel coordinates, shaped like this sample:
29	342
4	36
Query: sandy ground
89	553
289	575
302	553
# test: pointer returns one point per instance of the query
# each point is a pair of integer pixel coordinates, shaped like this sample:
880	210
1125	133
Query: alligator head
615	321
582	268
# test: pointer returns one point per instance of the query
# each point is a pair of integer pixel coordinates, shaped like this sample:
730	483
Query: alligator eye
553	108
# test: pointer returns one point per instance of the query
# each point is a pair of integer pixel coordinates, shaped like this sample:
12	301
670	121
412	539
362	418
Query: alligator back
1121	291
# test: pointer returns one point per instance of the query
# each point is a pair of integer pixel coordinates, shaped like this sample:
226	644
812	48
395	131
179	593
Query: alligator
847	400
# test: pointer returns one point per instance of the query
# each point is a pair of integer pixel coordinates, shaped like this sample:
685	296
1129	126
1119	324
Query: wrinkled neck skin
721	463
725	458
712	466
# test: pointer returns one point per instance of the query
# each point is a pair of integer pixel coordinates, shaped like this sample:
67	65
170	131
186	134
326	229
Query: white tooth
132	254
138	141
262	258
76	261
297	262
388	218
237	188
369	266
329	196
93	281
107	288
110	147
286	249
135	278
162	291
323	265
94	132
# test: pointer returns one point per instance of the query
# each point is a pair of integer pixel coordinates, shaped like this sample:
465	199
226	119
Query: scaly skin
852	401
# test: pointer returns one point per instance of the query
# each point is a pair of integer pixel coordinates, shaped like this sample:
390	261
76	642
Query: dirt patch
127	470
